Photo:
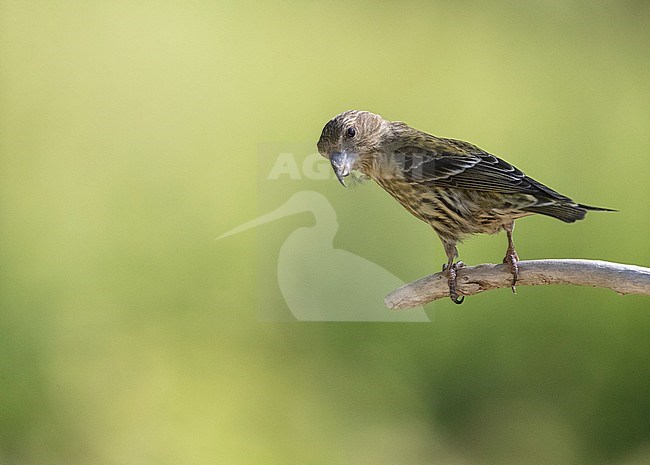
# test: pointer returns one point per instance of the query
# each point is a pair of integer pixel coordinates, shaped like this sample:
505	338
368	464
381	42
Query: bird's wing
465	166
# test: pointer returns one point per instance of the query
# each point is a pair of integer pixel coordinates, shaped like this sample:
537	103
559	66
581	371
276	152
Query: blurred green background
129	134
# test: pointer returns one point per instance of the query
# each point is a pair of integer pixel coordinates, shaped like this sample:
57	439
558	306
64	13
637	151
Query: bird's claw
450	270
458	265
511	260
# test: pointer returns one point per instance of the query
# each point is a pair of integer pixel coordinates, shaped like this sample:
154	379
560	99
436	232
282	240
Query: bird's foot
511	260
451	272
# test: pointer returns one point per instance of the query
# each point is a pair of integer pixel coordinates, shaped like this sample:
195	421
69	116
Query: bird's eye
351	132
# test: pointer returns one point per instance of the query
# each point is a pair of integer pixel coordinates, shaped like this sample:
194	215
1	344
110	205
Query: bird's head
350	140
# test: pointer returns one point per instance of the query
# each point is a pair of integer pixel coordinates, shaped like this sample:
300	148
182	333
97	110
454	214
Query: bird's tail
567	212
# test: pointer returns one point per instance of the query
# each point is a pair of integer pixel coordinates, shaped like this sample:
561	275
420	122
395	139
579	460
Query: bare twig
623	279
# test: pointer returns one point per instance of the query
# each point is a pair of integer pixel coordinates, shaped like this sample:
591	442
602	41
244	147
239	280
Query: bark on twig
623	279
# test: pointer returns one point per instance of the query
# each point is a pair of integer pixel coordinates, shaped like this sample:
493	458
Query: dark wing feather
465	166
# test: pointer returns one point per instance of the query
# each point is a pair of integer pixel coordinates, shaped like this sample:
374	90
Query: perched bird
454	186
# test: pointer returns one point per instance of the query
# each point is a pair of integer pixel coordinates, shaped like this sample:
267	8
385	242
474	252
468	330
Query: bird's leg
450	268
511	257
